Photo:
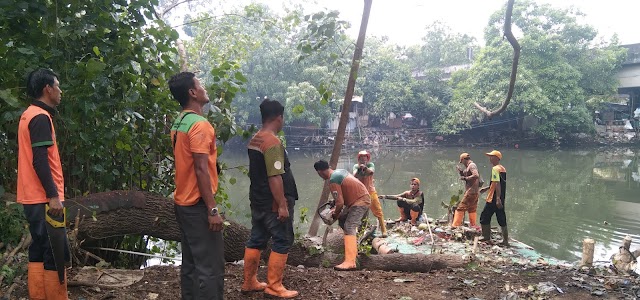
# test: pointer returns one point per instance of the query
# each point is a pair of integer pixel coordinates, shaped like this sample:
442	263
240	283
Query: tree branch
172	6
514	66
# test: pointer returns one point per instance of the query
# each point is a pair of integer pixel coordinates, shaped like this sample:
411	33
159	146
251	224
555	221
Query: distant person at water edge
495	199
195	154
364	171
272	194
352	201
469	201
410	203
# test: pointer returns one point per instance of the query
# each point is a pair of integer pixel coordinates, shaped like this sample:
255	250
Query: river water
555	198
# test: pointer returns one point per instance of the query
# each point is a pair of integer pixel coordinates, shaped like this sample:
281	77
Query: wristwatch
214	211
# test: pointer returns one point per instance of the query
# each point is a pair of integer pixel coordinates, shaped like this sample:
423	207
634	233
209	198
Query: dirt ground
481	282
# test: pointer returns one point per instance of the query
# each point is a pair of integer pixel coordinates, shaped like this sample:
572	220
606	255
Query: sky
404	21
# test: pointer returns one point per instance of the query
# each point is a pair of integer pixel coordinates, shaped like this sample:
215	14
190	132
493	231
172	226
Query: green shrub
13	223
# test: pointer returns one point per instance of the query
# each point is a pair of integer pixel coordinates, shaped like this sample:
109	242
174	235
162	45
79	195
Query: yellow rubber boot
277	263
403	216
457	218
414	216
53	289
251	264
35	280
350	254
383	226
473	218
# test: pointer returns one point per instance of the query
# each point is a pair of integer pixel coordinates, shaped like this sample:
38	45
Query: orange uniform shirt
30	190
353	191
192	133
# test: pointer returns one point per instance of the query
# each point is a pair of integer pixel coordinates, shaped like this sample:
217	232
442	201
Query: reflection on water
555	199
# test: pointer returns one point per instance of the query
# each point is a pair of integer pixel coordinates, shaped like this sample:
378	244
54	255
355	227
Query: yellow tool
57	239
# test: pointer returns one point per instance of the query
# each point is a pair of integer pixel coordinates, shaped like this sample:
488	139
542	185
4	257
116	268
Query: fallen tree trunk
120	213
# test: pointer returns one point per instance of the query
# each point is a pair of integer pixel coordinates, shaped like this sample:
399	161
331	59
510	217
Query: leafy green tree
561	70
386	79
441	47
113	58
280	55
304	107
389	86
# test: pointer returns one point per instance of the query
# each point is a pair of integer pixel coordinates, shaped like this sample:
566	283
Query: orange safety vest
30	190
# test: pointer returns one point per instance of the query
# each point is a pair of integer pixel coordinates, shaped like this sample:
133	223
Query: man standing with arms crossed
273	193
364	170
495	199
41	186
195	153
469	201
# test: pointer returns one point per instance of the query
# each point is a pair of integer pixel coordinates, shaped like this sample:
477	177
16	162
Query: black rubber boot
486	233
505	237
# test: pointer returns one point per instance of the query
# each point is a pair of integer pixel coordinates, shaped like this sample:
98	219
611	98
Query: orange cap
495	153
416	180
464	155
365	153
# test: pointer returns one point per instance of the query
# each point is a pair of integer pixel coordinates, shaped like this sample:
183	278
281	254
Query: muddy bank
480	281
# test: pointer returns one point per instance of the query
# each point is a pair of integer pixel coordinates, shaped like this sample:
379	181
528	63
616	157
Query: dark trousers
489	210
40	248
408	207
265	225
202	270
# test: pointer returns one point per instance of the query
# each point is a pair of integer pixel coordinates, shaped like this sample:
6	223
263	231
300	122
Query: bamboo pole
344	116
588	246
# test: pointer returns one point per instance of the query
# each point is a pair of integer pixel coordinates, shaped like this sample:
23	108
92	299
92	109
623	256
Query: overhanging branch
514	65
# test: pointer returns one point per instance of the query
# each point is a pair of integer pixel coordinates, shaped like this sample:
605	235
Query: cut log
120	213
381	246
412	262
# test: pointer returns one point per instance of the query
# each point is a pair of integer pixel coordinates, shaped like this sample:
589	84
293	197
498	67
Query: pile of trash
436	236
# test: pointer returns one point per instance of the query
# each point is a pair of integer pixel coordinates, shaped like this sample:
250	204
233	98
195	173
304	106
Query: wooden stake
475	244
626	243
588	246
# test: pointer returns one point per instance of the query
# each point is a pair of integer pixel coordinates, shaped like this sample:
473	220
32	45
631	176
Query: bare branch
514	66
172	6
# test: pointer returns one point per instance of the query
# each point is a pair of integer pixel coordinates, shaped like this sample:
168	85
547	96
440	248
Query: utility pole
344	116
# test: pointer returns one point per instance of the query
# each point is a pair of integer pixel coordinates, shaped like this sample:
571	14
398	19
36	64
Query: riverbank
372	137
482	281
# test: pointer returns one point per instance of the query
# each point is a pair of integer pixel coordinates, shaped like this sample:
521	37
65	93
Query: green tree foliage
113	59
304	107
283	57
563	72
390	85
442	48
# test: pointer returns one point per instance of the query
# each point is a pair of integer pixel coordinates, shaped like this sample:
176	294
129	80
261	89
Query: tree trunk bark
344	115
119	213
